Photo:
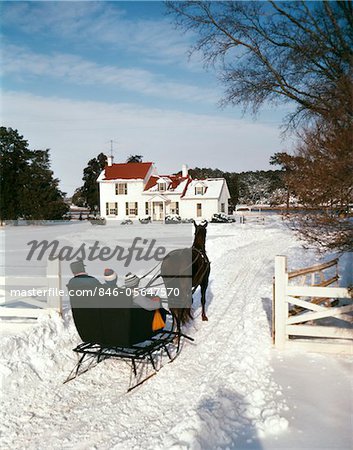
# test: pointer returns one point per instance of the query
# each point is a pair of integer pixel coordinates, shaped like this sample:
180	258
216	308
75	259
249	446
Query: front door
198	209
157	211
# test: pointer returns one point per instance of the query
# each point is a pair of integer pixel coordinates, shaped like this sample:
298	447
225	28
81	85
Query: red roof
186	186
151	182
175	181
127	171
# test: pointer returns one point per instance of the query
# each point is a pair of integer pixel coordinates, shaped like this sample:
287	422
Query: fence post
281	305
54	300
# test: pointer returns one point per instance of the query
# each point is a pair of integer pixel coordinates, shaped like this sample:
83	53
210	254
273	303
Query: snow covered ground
228	389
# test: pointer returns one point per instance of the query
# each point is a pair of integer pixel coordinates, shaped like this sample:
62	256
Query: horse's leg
203	286
175	313
185	287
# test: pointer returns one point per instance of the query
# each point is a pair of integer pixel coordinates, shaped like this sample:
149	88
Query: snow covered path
220	391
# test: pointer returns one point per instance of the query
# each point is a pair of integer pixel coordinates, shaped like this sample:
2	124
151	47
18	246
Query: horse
185	269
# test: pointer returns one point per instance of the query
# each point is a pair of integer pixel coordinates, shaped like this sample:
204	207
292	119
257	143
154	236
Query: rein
203	257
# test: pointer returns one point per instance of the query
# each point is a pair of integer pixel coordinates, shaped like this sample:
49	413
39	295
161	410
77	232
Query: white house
135	190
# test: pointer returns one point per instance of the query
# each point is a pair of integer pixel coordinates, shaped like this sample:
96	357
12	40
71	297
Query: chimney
184	170
110	160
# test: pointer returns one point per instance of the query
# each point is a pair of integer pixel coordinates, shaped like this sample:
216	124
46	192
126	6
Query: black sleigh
112	326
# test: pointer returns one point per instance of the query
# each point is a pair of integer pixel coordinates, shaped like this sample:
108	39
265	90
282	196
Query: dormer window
199	190
162	184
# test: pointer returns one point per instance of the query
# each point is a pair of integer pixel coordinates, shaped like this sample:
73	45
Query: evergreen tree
134	159
90	190
233	186
78	198
42	197
14	154
27	186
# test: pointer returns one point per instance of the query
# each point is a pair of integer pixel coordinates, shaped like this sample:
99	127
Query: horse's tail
184	315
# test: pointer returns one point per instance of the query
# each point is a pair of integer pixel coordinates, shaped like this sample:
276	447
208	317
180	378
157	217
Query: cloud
77	70
98	24
62	18
76	131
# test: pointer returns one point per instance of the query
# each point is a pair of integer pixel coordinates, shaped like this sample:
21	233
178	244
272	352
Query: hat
131	280
110	275
77	266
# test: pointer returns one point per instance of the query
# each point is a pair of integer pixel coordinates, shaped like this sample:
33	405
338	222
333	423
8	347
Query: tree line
250	187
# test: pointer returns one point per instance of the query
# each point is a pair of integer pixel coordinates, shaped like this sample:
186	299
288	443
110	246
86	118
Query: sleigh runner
123	332
145	358
113	327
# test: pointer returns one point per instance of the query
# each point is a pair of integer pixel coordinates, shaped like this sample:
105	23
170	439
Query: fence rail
312	269
35	306
289	330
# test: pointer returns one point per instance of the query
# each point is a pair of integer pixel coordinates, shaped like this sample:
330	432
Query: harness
204	266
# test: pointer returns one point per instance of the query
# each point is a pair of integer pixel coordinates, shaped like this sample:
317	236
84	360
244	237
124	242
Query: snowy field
228	389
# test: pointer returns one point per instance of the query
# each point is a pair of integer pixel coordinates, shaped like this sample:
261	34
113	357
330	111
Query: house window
131	209
199	190
174	208
147	209
223	209
111	209
198	210
162	186
121	189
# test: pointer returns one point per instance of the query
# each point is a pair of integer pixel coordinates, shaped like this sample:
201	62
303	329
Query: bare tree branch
274	51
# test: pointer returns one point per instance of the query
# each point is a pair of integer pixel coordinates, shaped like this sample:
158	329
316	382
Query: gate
297	328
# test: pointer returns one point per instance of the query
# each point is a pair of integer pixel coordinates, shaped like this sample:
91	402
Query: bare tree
319	174
298	52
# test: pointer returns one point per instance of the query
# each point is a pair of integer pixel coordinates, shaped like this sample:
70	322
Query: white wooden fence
48	286
290	331
251	217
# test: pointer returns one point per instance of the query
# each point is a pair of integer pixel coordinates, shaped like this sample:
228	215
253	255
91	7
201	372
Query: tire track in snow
234	309
206	376
207	397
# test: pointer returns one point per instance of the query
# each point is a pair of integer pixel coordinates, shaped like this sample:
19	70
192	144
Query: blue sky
76	75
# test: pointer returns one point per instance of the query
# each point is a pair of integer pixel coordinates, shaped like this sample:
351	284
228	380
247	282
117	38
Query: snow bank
220	392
